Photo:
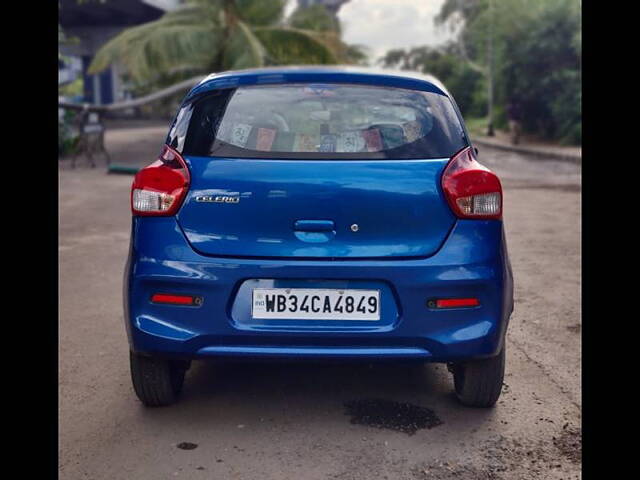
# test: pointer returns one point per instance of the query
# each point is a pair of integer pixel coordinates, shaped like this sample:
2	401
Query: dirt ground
297	421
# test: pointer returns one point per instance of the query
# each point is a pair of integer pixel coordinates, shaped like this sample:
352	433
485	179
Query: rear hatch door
315	209
318	171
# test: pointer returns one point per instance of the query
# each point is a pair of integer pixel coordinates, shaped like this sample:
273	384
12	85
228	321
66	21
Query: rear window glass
324	121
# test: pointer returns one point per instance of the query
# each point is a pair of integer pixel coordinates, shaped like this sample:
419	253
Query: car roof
320	74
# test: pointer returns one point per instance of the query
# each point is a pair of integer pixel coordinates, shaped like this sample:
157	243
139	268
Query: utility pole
490	71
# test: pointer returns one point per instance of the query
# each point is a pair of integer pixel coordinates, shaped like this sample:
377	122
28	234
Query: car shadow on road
316	379
297	394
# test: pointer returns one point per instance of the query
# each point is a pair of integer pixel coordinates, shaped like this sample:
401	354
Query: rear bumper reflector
454	302
170	299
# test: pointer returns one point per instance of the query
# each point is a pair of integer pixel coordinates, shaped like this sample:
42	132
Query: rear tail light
160	188
472	190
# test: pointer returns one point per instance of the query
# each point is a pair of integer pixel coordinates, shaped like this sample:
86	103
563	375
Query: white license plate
315	304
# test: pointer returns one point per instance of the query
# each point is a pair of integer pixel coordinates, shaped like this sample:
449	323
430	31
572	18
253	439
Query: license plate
315	304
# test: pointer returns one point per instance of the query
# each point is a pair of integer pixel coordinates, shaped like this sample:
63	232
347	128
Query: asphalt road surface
289	421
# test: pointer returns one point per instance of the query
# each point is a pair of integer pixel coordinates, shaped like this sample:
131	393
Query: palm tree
204	36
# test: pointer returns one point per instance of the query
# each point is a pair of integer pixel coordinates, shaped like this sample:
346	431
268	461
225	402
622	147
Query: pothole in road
575	328
399	416
187	446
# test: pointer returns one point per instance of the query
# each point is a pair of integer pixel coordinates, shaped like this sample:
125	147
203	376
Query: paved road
272	421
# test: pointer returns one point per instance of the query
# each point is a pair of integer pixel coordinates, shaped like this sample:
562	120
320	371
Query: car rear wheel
478	383
156	381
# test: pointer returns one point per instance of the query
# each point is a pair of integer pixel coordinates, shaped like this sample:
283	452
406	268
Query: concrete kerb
540	153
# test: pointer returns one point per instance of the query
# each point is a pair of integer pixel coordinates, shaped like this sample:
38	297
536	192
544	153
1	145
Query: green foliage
357	54
287	45
476	125
72	89
537	56
500	119
205	36
262	14
541	67
466	84
316	18
67	137
566	110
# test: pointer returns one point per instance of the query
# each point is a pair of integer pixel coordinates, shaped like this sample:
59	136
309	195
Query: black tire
479	383
156	381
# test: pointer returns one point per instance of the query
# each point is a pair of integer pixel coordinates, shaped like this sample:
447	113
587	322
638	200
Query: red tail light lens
160	188
472	190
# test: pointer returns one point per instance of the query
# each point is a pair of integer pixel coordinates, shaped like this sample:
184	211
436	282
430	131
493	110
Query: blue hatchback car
317	213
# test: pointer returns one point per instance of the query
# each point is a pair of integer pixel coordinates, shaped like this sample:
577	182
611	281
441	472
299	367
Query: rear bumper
473	262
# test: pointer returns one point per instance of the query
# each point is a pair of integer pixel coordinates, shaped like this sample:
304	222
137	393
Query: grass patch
477	126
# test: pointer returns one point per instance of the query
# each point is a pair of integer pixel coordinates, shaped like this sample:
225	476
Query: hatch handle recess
314	226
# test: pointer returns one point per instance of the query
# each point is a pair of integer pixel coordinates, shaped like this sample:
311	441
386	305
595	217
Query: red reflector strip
173	299
457	302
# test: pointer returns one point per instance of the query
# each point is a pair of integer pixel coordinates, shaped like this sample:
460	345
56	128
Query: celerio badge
218	199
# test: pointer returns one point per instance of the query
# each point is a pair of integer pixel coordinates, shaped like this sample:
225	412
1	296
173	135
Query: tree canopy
538	49
204	36
537	60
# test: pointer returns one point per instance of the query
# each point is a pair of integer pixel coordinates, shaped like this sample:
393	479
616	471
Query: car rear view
317	213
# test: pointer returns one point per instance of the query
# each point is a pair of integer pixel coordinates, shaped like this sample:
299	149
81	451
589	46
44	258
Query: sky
385	24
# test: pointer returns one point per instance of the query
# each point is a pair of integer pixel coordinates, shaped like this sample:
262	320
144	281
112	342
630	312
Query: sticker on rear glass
265	139
224	131
240	134
372	139
305	143
350	142
328	143
284	142
412	131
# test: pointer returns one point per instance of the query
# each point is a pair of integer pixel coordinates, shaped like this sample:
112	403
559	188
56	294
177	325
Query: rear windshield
319	121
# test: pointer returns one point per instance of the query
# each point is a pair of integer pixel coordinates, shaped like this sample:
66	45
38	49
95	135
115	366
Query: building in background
93	23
